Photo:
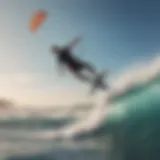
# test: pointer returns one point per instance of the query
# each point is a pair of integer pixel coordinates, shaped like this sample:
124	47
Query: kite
37	19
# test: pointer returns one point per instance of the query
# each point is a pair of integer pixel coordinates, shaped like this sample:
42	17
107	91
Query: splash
130	89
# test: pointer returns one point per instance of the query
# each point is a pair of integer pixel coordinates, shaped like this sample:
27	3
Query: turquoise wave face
135	122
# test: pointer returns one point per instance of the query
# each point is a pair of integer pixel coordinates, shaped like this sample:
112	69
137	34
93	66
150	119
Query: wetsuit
65	57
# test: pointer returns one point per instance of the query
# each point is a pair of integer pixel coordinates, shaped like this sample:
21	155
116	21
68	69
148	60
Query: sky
115	34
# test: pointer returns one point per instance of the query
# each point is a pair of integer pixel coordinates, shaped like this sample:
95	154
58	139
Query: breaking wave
133	95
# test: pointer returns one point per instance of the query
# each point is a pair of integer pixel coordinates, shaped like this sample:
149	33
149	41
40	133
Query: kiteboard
99	82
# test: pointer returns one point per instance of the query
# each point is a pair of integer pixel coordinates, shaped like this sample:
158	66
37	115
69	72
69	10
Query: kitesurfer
76	66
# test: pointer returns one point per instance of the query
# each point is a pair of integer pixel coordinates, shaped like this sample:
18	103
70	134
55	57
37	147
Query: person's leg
82	77
89	67
77	70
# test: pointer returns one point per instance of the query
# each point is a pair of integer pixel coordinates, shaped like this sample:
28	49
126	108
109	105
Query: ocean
122	125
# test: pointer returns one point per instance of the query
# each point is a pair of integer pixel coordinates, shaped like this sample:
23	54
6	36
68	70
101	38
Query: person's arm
73	43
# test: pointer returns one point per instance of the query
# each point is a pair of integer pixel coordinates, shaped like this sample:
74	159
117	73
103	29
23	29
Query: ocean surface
122	125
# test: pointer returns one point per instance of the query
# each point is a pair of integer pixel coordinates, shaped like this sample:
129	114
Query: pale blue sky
116	33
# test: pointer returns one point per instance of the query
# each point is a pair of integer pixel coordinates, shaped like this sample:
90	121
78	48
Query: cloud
20	87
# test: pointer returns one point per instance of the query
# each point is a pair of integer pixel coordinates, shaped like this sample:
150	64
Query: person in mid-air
65	58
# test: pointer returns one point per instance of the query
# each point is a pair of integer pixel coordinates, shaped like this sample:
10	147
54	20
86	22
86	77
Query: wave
129	114
136	86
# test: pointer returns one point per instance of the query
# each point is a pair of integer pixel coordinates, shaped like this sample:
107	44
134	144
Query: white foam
141	73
